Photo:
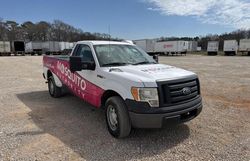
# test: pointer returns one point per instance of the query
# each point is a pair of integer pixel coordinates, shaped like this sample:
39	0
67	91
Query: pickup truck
134	90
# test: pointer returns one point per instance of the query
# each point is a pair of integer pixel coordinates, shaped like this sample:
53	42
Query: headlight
149	95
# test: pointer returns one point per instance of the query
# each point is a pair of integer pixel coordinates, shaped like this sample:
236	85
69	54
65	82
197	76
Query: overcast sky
136	19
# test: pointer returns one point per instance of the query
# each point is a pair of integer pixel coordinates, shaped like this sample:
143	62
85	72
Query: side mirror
76	64
156	58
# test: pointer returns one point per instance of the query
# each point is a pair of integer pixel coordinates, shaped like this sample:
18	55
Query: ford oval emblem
186	90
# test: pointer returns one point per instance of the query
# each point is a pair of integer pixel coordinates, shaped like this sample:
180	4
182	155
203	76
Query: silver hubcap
112	118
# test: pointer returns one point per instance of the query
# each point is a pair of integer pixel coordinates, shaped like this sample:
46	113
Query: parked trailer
147	45
192	46
5	48
230	47
66	47
245	46
34	47
171	47
51	47
18	47
212	47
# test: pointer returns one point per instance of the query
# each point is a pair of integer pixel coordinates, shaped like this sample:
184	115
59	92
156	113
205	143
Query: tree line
61	31
46	31
202	40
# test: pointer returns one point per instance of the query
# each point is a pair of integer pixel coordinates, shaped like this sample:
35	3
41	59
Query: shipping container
18	47
34	47
230	47
5	48
51	47
192	46
146	44
171	47
245	46
212	47
64	45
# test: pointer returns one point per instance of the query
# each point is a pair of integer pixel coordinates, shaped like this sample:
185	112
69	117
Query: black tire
123	127
54	91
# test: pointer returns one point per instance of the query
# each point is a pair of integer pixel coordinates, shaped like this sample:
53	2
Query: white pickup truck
130	85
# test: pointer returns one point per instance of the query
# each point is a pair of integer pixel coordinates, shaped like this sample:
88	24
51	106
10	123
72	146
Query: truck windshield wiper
144	62
114	64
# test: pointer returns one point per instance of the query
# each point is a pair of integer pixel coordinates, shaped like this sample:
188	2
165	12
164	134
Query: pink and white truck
134	90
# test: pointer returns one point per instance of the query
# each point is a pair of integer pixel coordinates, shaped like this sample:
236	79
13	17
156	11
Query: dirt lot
34	126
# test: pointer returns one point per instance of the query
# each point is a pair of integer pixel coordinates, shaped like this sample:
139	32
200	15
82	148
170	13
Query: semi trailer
5	48
18	47
212	47
148	45
34	47
51	47
245	46
230	47
171	47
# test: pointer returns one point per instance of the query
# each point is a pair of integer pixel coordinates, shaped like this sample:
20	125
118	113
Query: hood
152	72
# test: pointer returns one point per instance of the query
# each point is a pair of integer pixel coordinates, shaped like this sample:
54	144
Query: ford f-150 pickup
134	90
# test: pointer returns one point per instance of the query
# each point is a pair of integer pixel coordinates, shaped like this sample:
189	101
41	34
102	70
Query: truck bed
60	57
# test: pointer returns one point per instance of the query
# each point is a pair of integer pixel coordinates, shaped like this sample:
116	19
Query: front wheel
117	117
54	91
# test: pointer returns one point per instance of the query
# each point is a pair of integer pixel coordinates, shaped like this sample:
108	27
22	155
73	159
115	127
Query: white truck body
5	47
212	46
51	46
65	45
33	46
171	46
244	45
230	45
146	44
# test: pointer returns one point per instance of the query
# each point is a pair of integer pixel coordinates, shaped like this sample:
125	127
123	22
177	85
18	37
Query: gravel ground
34	126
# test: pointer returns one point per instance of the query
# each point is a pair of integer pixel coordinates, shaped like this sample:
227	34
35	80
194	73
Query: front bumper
159	117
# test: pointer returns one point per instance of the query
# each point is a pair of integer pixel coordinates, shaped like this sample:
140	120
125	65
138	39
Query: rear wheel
54	91
117	117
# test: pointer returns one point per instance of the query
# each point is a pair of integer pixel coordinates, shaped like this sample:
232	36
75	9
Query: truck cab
134	90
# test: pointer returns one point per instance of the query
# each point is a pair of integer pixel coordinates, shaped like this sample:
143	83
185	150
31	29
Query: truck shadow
83	129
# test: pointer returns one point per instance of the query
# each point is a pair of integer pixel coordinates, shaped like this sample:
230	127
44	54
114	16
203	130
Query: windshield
120	55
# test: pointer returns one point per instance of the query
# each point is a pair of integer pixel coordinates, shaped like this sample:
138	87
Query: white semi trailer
51	47
39	47
5	48
245	46
230	47
148	45
212	47
171	47
34	47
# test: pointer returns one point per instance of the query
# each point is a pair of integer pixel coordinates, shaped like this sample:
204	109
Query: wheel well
49	73
107	94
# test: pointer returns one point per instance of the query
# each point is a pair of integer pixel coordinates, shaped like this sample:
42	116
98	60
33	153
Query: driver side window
84	52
